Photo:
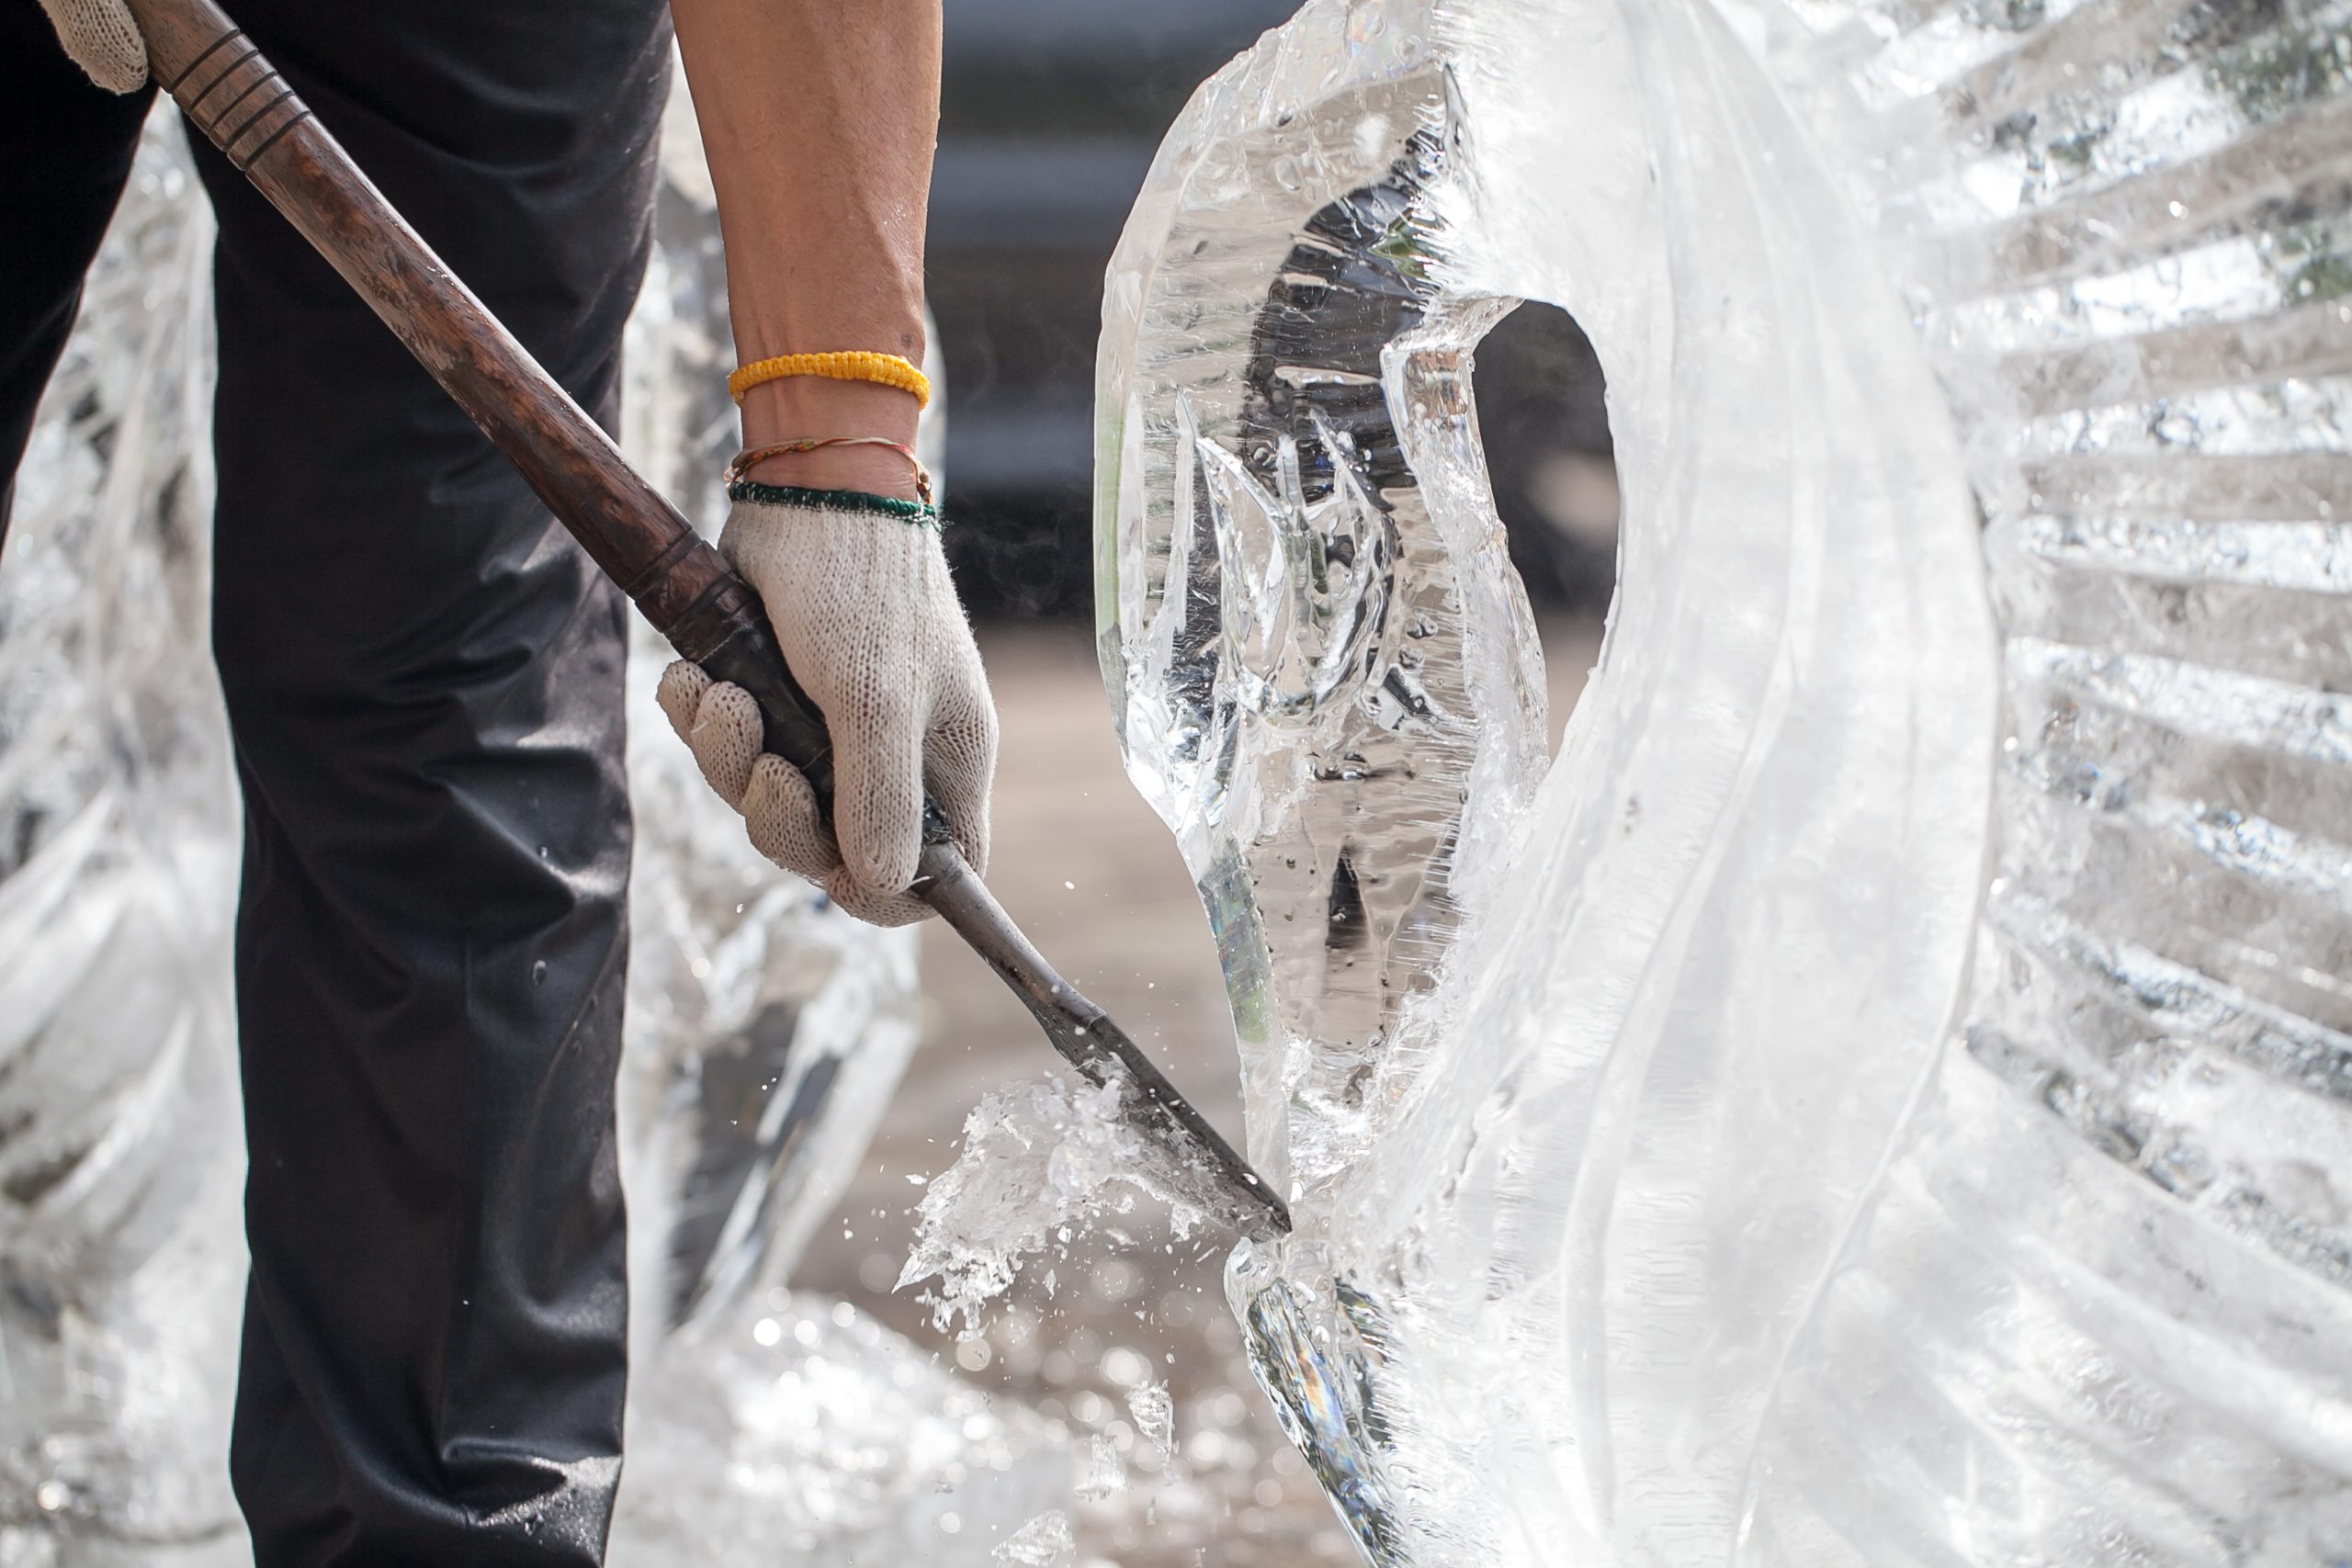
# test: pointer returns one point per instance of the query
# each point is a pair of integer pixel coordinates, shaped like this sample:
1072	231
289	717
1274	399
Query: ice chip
1043	1542
1044	1162
1106	1473
837	1442
1155	1418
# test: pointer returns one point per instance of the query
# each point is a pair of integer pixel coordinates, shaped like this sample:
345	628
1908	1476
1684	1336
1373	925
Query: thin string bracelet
740	467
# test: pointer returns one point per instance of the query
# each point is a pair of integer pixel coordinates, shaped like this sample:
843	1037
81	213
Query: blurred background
1052	111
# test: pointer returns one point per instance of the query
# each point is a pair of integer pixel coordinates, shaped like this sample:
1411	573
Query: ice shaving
1044	1543
1044	1162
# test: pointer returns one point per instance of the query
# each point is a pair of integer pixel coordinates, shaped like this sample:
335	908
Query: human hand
871	628
103	40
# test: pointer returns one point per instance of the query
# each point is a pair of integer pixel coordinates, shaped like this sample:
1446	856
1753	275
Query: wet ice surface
1888	1109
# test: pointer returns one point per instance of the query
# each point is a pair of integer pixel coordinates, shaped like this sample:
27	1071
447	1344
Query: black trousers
422	677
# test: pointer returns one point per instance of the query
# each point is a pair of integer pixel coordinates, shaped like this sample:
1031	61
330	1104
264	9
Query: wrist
806	406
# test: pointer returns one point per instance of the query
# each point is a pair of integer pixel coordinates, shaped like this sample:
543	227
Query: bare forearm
819	118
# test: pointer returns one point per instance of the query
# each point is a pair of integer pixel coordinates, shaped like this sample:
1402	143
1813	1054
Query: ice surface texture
1312	657
1883	1100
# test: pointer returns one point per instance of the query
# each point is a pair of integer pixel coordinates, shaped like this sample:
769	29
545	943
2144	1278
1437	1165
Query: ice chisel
231	93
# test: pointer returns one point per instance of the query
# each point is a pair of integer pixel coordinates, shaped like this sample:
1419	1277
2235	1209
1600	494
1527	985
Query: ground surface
1092	877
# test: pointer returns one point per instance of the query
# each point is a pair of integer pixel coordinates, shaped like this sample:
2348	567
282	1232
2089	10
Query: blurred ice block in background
1883	1100
121	1267
766	1029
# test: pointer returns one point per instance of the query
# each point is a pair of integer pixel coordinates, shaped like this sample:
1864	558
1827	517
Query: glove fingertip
879	848
726	739
680	695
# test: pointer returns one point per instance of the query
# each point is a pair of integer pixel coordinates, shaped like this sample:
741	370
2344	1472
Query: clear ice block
1882	1102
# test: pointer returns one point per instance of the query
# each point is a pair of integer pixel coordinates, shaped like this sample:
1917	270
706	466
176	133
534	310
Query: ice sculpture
1314	655
765	1032
1883	1101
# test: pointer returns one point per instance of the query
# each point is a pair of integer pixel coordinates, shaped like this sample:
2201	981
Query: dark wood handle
232	93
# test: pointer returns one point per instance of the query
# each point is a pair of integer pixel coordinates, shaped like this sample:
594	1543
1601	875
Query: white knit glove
872	629
103	40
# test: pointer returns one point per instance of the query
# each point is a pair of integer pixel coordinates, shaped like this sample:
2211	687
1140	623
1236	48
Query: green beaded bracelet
921	514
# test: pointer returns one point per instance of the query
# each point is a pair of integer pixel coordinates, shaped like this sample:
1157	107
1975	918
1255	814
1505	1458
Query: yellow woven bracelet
849	364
